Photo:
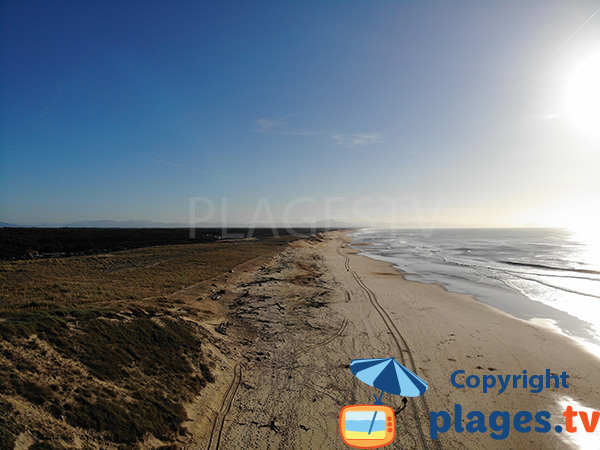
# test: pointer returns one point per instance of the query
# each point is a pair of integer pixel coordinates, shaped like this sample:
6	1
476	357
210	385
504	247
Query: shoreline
502	298
545	346
299	320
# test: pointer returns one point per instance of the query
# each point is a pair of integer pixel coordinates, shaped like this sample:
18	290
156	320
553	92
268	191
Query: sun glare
583	96
571	213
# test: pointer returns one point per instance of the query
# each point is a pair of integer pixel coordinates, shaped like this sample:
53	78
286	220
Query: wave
546	267
560	288
543	266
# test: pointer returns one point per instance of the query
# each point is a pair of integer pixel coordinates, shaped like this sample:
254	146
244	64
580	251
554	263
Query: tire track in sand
326	341
219	422
405	352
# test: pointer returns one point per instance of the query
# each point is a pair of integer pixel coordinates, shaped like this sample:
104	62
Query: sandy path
299	321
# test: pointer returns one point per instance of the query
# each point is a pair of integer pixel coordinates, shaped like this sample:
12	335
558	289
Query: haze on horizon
464	113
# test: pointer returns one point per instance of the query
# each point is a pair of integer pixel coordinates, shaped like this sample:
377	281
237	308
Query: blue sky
388	112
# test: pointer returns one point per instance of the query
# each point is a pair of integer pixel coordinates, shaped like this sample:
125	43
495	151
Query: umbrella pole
377	402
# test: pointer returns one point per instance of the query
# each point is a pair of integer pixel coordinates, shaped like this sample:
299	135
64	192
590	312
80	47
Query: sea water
546	275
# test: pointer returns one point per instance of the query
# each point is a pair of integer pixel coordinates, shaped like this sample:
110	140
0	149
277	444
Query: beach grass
126	276
94	343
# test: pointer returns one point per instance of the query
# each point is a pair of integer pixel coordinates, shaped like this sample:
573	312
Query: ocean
550	276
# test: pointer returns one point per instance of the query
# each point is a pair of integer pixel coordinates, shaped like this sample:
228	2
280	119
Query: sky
391	113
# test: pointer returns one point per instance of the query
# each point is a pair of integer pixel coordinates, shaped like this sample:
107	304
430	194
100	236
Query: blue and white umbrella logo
388	375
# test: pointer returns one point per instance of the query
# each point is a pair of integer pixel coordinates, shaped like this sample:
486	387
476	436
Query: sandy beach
287	328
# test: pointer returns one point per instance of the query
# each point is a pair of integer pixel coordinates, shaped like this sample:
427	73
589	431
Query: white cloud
279	126
354	140
267	125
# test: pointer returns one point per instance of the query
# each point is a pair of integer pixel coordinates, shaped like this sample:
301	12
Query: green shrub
45	445
9	429
152	360
34	392
129	422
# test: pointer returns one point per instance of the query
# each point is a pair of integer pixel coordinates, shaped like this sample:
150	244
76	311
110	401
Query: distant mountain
123	224
100	224
151	224
332	223
107	223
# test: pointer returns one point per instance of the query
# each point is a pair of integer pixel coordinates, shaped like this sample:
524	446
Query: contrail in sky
577	31
183	167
